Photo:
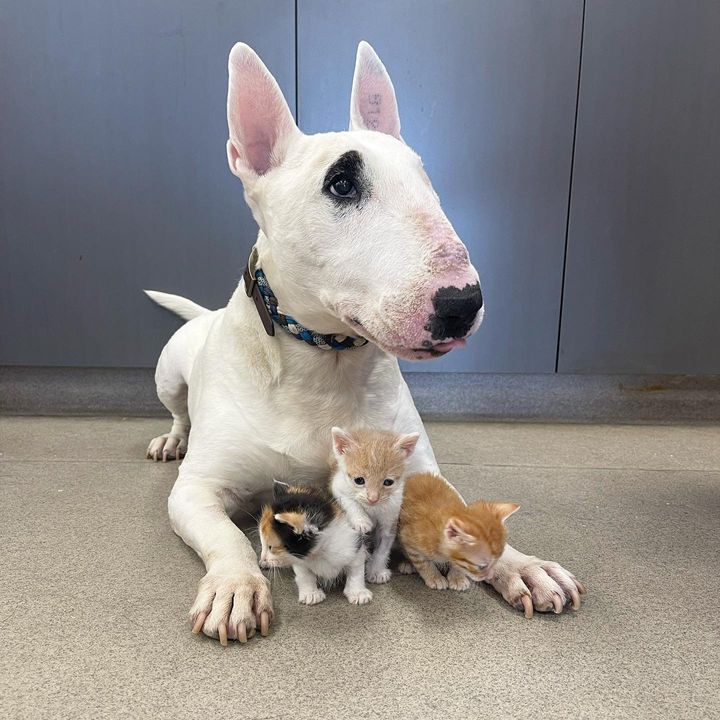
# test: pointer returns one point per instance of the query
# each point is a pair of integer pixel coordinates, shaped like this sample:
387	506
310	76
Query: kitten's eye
343	187
360	481
481	566
270	548
388	482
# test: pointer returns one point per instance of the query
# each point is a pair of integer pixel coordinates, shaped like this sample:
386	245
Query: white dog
354	245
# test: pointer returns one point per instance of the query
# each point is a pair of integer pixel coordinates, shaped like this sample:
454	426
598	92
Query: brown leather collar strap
252	290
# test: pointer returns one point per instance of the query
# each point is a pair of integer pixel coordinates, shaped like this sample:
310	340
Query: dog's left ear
259	120
373	105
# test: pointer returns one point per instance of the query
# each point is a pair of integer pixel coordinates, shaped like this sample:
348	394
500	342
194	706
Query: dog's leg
234	596
529	583
173	392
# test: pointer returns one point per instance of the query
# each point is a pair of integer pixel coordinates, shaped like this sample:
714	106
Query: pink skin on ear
342	441
407	443
259	119
455	534
373	105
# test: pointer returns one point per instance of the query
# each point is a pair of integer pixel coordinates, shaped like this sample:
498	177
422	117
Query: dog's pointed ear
373	105
259	120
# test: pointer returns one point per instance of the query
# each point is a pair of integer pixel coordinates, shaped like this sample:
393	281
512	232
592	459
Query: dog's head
356	240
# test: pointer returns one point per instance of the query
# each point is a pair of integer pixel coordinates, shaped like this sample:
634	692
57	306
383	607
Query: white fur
339	549
262	407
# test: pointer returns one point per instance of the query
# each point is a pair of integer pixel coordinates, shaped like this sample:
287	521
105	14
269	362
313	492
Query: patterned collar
258	288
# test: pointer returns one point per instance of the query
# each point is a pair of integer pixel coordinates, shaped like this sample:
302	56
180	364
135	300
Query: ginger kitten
437	528
368	481
305	528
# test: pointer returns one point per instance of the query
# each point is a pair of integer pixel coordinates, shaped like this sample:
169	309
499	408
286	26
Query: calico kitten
305	528
437	528
368	481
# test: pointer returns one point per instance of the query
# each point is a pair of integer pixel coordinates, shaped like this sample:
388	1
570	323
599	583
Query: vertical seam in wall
297	100
570	184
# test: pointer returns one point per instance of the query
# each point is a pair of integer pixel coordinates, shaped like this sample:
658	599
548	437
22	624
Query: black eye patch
345	181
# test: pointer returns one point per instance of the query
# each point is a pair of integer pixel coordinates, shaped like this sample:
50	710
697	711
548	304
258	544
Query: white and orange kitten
368	481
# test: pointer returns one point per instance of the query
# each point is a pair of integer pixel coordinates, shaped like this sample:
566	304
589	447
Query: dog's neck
294	299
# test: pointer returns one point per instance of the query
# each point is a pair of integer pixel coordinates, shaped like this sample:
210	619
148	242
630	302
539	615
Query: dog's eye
343	187
360	481
388	482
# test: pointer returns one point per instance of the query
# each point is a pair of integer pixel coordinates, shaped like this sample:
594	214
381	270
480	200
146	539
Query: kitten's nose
372	499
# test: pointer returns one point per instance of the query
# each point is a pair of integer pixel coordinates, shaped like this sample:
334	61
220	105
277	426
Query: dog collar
258	288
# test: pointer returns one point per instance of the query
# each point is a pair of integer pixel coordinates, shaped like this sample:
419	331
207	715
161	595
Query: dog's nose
455	311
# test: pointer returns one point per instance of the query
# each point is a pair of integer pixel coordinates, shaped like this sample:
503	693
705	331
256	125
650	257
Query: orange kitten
437	528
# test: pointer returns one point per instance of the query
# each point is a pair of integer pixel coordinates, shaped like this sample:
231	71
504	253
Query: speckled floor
95	589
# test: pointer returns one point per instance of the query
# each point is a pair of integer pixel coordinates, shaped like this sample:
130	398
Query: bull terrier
355	266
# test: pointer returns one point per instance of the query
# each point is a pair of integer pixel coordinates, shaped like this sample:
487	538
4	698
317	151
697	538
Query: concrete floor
95	589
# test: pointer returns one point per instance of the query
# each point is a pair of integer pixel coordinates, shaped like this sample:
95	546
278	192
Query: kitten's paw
458	581
313	597
437	583
529	583
406	568
378	577
365	525
359	597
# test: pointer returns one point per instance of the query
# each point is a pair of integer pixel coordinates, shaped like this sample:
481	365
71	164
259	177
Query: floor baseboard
438	396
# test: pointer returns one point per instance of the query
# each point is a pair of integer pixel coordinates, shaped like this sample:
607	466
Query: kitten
305	528
368	481
437	528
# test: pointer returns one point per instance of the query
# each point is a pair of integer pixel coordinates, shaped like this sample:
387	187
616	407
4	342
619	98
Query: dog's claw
222	634
199	622
527	604
264	623
241	632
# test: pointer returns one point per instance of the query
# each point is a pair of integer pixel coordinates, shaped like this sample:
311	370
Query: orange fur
436	527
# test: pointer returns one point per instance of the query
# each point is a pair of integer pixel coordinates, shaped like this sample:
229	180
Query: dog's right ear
259	120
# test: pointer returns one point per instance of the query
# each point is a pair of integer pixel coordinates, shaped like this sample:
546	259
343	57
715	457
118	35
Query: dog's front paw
529	583
362	525
311	597
359	597
167	447
378	577
232	604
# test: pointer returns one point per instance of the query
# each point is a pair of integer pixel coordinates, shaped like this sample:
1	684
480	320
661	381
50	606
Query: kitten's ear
504	510
342	441
280	489
407	443
297	521
455	533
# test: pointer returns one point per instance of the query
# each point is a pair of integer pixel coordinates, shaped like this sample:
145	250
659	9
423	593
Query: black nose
455	311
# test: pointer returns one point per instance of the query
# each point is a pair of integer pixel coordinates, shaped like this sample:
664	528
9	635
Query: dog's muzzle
455	311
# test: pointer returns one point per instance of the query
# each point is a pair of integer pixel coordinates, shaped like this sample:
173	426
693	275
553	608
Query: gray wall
642	288
113	174
113	169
